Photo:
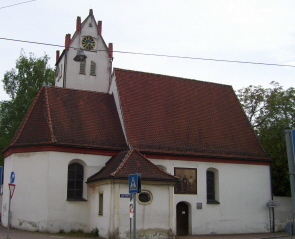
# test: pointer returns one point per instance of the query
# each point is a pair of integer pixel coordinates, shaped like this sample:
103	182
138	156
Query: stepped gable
67	117
97	26
130	162
171	115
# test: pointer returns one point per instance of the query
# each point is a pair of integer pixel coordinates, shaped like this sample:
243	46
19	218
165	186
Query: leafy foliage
270	110
22	85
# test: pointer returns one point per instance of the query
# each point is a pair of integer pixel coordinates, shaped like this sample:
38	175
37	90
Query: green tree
22	85
270	110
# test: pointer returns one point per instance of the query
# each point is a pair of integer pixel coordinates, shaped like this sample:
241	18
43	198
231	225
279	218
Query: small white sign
131	209
272	203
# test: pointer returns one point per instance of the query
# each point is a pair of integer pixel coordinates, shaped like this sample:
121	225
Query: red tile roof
171	115
60	116
131	162
161	114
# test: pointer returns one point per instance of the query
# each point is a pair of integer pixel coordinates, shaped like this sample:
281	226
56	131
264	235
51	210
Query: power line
17	4
206	59
32	42
161	55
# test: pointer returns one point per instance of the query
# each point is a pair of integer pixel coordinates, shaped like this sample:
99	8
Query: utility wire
205	59
160	55
32	42
17	4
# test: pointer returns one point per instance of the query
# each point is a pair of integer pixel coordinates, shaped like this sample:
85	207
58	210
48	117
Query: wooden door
182	219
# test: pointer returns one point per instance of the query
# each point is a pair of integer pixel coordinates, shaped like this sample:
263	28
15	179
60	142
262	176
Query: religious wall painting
188	181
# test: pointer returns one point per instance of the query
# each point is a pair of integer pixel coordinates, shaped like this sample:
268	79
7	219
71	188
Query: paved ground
278	235
18	234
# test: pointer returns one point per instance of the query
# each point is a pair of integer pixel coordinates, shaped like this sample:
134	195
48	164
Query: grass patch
80	233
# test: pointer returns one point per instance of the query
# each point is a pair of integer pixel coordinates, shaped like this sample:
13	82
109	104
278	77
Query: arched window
82	67
162	167
93	68
212	186
75	181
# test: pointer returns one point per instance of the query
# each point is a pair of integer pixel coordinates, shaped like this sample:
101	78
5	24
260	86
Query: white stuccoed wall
39	202
153	220
40	198
244	191
283	213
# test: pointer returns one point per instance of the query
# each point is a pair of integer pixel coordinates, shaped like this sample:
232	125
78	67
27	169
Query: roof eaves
142	179
59	59
208	155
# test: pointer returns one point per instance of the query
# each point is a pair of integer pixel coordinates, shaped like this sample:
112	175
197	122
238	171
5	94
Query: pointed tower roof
131	162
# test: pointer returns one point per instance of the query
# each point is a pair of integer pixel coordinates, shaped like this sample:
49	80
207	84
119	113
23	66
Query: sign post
1	180
11	191
290	143
134	185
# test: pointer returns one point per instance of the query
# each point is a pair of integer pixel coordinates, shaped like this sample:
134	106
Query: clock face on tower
88	43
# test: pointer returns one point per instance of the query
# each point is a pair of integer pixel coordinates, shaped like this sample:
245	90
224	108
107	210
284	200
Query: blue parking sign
134	183
12	177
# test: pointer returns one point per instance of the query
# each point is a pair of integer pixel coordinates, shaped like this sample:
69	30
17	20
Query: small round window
145	197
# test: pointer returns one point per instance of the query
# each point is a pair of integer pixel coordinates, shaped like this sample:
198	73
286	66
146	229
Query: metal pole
134	217
269	219
8	225
131	198
290	154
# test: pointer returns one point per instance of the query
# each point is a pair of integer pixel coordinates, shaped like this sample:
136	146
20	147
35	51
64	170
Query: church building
203	170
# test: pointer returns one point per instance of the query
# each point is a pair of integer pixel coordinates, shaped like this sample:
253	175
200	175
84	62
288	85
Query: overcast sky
247	30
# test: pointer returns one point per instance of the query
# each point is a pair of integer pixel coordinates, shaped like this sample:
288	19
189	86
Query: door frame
188	217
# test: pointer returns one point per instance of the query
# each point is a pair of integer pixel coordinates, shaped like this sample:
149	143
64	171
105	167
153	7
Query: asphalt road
19	234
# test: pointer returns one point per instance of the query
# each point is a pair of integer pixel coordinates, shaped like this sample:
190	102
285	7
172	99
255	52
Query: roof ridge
120	109
25	120
124	161
154	164
48	119
170	76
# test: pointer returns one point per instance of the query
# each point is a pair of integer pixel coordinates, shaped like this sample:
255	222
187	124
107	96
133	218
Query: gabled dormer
94	72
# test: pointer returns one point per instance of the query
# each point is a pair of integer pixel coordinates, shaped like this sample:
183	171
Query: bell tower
86	61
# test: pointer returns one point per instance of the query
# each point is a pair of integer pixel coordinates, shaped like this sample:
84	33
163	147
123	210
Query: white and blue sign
125	195
12	177
134	183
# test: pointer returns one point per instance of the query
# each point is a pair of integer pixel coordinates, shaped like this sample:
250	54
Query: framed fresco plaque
188	181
